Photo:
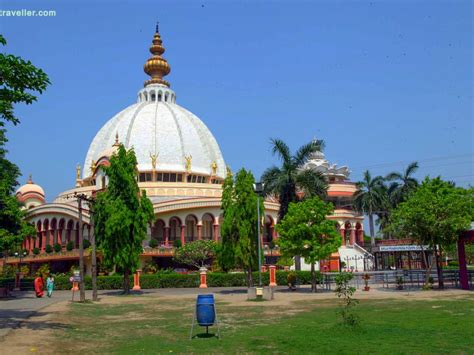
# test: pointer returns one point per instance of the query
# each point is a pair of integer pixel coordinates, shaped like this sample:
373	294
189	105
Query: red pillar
360	237
352	237
342	231
463	276
272	276
136	281
203	275
216	232
199	231
182	234
51	237
43	240
167	235
60	237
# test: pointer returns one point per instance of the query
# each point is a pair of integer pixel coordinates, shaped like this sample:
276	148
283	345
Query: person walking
50	285
39	285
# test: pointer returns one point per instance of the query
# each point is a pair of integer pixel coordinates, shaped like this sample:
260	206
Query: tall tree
121	215
402	184
19	80
229	231
305	231
286	181
369	198
239	230
435	215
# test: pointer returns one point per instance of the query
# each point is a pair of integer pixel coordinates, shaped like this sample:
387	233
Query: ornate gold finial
117	143
153	160
93	166
188	159
213	168
157	66
78	172
229	171
30	179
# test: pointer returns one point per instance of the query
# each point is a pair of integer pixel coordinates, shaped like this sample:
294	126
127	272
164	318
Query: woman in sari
39	285
50	285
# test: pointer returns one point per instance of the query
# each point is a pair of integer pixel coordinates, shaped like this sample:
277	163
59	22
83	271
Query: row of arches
157	95
56	231
190	228
164	230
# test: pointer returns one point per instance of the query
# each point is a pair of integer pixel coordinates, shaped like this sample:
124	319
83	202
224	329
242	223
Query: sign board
403	248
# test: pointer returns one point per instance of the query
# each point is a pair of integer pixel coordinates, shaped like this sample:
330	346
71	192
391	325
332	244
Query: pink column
51	237
183	227
216	232
60	237
43	240
352	237
342	231
199	231
167	235
361	237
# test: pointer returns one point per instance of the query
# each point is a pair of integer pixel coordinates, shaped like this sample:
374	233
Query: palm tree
290	180
402	184
369	198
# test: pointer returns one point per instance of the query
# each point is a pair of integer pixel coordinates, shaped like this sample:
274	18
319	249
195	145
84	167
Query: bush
57	247
153	243
48	248
177	243
43	270
36	251
86	243
70	245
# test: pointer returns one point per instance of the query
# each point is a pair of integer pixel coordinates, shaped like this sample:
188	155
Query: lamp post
258	188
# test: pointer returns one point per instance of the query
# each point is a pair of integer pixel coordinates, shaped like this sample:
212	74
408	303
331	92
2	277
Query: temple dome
30	194
153	126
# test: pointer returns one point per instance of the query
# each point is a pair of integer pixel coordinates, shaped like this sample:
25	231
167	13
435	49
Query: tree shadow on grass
14	319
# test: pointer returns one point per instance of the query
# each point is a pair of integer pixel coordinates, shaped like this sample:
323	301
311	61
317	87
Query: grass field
389	326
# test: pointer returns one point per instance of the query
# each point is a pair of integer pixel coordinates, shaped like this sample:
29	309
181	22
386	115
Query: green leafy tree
286	181
435	214
19	80
239	229
121	215
229	231
305	231
369	198
290	182
403	184
196	253
13	227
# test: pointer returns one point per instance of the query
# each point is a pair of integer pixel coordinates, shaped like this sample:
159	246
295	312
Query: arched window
160	95
153	96
208	226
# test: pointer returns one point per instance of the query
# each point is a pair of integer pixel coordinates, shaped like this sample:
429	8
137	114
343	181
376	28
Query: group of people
39	286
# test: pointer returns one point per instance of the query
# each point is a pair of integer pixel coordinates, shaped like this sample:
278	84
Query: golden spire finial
213	168
78	172
157	66
30	179
117	143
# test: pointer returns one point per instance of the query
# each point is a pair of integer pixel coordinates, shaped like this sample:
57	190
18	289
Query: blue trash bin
205	311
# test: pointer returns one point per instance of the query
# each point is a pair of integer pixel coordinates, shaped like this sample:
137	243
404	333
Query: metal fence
408	278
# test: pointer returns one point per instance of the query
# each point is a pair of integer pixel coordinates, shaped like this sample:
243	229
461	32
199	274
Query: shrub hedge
169	280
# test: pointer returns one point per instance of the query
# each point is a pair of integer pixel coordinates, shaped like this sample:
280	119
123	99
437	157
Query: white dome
166	129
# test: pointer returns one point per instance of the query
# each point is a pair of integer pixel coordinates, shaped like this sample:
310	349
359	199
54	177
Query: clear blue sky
384	83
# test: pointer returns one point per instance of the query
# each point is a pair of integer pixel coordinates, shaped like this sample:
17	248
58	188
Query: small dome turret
30	194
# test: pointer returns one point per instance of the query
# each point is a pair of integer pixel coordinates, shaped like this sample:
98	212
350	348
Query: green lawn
387	327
